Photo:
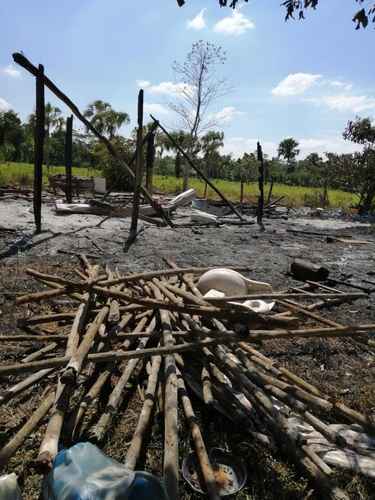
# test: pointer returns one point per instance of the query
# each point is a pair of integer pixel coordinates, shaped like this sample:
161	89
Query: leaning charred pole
68	157
39	146
138	174
199	172
261	186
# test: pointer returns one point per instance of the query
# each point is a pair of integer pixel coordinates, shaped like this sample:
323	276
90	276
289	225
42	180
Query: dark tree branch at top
223	3
365	15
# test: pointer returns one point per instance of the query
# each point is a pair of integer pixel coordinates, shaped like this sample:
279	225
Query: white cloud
12	71
168	88
235	24
143	84
340	84
4	105
198	23
295	84
226	115
157	109
237	146
344	102
326	145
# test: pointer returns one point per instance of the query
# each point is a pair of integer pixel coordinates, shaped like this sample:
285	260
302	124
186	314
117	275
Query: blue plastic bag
83	472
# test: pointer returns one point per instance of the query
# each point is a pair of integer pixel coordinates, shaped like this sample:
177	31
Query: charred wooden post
39	146
261	186
270	192
150	158
68	157
138	174
241	193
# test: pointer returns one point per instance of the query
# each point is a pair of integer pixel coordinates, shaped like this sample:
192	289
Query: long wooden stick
49	446
12	446
45	318
117	395
39	296
79	354
16	389
256	335
170	465
134	450
275	296
200	447
40	353
149	275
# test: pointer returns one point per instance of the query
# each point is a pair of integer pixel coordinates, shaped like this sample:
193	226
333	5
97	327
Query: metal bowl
230	472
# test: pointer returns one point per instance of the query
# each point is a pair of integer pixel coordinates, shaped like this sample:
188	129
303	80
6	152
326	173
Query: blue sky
301	79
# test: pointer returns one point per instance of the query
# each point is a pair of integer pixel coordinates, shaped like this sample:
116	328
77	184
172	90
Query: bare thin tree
199	86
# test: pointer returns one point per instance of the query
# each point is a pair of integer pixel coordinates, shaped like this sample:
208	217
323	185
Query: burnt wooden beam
261	187
150	158
68	157
39	146
138	174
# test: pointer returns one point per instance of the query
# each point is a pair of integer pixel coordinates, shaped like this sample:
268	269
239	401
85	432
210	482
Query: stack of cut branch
156	327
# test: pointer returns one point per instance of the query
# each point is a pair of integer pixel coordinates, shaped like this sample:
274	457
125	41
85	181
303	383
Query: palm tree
53	121
105	119
183	139
288	149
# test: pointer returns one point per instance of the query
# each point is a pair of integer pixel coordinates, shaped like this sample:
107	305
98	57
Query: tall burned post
150	158
261	186
68	157
39	145
138	174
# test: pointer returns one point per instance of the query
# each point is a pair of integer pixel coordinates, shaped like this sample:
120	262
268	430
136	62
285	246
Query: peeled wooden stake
200	448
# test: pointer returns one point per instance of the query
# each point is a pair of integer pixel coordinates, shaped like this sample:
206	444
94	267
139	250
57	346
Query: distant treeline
354	173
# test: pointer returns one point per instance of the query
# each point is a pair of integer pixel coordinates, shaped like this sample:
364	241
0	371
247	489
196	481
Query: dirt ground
341	367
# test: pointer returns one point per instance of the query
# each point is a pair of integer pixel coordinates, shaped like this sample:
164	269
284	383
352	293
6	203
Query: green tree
361	175
200	87
53	121
183	140
288	149
11	136
210	145
105	119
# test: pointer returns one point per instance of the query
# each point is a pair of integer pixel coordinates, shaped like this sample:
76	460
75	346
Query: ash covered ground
341	367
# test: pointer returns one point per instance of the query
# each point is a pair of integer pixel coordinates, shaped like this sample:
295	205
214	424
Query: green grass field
22	174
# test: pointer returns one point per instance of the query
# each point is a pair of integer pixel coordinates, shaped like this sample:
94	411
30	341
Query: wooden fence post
68	157
39	145
261	186
138	174
150	158
241	192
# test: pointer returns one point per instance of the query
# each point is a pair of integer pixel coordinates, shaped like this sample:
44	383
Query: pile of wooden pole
157	325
